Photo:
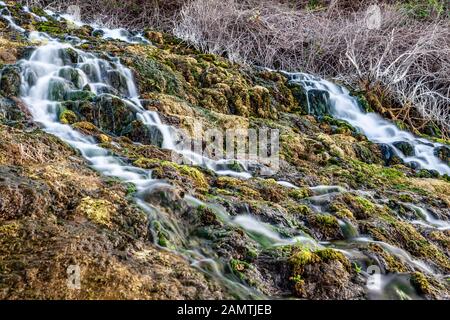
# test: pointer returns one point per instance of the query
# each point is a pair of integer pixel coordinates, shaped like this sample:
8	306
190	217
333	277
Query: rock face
406	148
56	212
443	153
10	81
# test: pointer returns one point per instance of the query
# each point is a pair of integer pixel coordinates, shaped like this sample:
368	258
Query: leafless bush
133	14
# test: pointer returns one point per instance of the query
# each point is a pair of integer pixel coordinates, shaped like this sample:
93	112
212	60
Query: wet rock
10	81
90	71
388	155
405	147
112	114
443	153
318	102
79	95
98	33
138	132
314	102
58	89
71	75
300	95
326	227
68	56
323	274
118	81
414	165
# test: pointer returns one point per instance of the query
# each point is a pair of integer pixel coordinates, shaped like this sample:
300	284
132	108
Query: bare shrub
133	14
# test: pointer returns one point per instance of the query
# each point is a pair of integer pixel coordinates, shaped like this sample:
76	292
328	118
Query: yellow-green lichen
97	210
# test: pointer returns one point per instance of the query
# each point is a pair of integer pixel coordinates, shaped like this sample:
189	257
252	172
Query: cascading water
43	74
345	107
56	70
6	14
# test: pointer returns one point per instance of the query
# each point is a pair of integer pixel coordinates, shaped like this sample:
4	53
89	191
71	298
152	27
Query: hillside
89	176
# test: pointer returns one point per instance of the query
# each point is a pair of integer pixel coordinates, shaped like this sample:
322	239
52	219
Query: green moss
404	235
302	210
162	237
299	194
239	187
297	279
195	174
303	256
131	188
49	27
84	125
68	117
342	127
238	267
327	255
406	198
272	191
326	220
367	205
420	282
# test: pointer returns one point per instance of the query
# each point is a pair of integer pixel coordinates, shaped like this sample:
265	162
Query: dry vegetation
406	62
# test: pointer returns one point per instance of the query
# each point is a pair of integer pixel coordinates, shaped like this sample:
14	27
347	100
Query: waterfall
57	69
345	107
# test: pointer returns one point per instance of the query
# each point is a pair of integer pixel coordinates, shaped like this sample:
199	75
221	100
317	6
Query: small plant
297	278
131	188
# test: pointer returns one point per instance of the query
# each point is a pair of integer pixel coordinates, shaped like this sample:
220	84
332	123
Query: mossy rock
174	171
443	153
326	225
98	210
321	274
10	81
405	147
68	117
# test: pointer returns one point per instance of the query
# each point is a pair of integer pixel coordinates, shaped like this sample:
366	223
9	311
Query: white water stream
375	128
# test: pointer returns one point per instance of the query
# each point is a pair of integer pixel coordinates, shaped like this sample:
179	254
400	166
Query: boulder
57	89
112	114
388	155
118	81
443	153
71	75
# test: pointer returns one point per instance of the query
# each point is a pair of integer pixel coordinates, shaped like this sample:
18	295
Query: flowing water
50	71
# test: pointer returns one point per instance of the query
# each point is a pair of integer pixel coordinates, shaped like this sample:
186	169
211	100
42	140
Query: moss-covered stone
68	117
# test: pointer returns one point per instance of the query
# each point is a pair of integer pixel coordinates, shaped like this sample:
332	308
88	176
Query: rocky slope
56	211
